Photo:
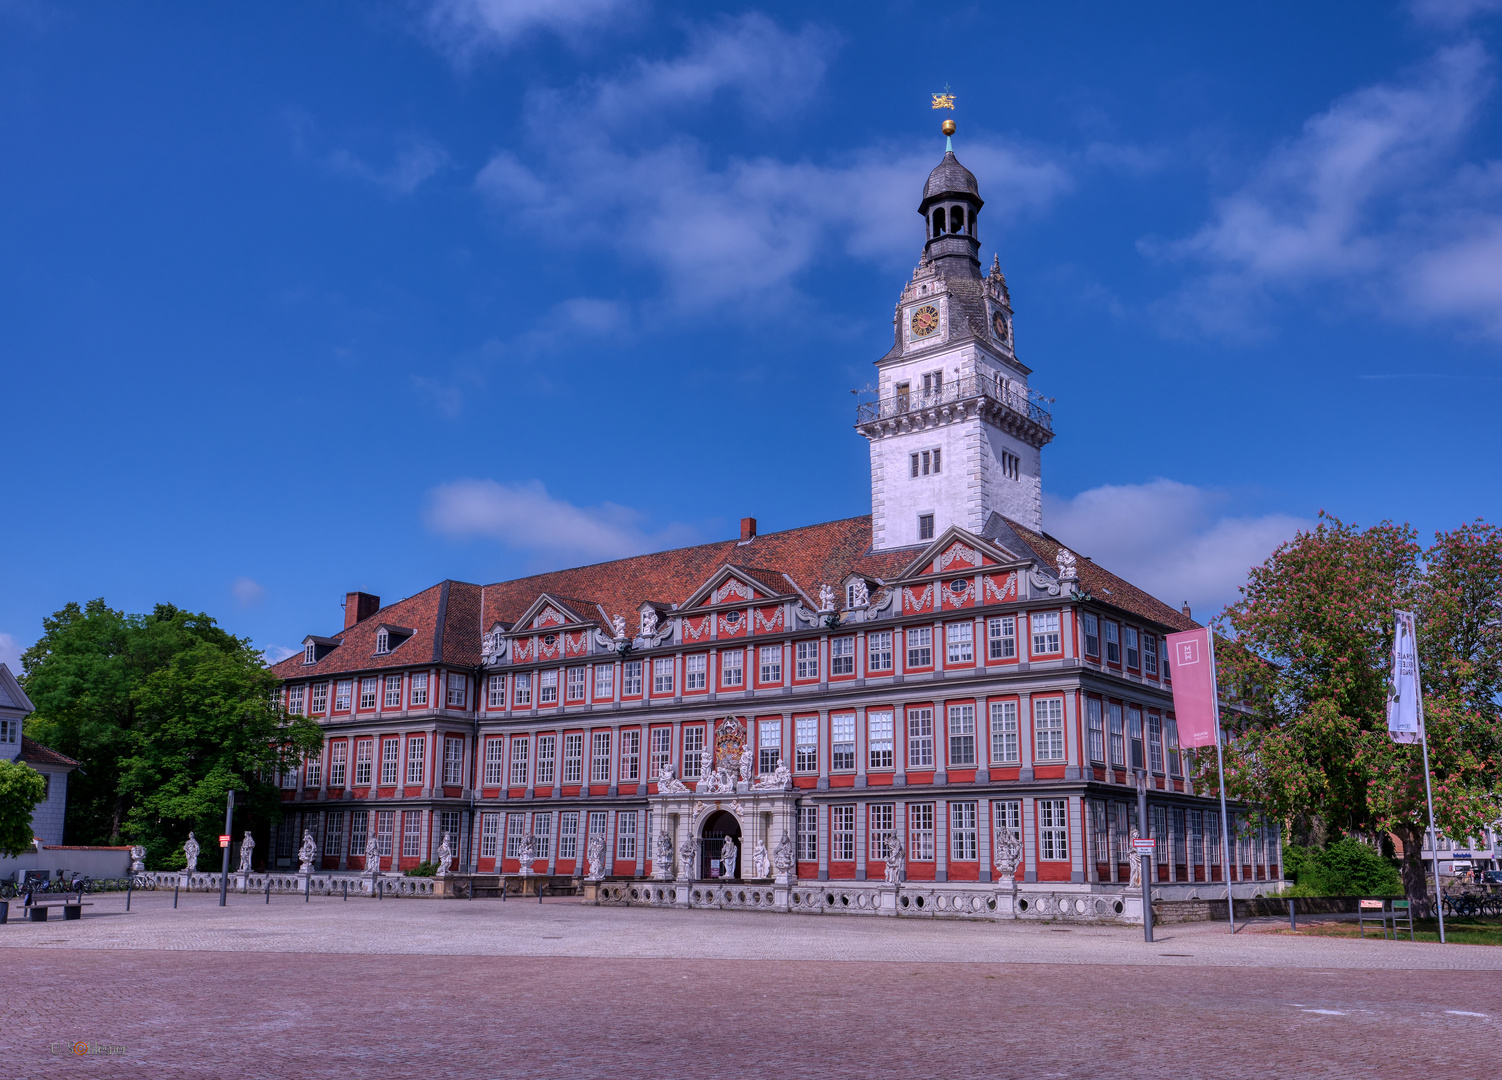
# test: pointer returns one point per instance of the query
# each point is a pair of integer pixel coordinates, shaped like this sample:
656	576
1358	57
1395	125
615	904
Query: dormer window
389	637
383	642
310	654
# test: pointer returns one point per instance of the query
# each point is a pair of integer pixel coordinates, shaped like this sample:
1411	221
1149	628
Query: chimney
1185	609
359	606
748	529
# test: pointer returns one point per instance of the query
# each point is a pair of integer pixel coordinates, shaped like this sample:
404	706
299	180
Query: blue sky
304	298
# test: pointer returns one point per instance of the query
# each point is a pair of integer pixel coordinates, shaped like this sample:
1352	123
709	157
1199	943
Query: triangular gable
957	551
11	694
728	585
549	611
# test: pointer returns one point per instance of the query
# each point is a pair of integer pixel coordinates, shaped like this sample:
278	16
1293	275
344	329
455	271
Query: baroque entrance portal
717	827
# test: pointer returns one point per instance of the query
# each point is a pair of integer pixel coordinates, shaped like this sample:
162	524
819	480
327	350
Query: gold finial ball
948	127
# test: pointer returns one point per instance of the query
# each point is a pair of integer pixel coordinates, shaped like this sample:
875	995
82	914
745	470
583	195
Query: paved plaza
520	989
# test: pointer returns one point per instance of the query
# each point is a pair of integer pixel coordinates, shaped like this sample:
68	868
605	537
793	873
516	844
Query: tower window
933	384
925	526
1011	466
925	462
939	222
957	219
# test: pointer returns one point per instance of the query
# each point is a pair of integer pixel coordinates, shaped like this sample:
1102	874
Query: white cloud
1367	198
1169	539
275	654
10	654
417	160
248	592
464	28
525	517
1449	14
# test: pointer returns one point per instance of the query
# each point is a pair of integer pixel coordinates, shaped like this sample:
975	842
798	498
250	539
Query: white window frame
1090	625
393	694
880	740
338	757
521	761
695	672
959	642
391	753
344	693
495	761
1053	830
920	832
806	659
458	691
631	678
1048	730
962	737
364	762
495	692
768	745
545	761
920	646
370	688
733	668
842	655
411	834
808	834
769	665
419	688
662	676
547	687
573	757
920	739
1046	635
1095	728
879	651
1005	747
417	760
490	835
842	833
604	682
964	832
630	751
453	761
521	690
625	836
576	683
806	744
693	750
599	757
568	835
659	750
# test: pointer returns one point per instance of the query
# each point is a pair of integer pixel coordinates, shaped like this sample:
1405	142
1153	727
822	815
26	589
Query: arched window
939	222
957	219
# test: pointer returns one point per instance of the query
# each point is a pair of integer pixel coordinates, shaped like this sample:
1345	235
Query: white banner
1403	689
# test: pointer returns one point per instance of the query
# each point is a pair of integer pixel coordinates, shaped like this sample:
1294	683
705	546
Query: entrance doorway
717	827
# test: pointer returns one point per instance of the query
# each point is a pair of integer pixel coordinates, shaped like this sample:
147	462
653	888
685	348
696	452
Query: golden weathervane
945	101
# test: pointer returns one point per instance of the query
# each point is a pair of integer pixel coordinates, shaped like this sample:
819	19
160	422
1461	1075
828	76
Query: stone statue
779	779
1066	565
706	764
190	853
861	595
662	861
784	858
746	764
649	622
596	858
688	851
618	624
307	853
1008	855
896	860
138	859
668	783
524	853
826	597
761	861
445	856
1135	862
247	847
372	856
729	853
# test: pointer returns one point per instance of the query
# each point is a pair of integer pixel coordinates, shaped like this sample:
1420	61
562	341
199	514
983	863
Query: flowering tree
1311	645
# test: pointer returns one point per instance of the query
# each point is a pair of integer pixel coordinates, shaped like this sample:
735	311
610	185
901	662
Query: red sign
224	840
1193	660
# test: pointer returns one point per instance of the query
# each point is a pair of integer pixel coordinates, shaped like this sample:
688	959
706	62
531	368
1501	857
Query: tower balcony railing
872	408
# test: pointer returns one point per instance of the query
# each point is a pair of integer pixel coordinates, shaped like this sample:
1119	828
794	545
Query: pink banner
1193	686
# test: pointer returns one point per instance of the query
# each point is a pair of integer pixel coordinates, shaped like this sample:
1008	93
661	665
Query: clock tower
956	435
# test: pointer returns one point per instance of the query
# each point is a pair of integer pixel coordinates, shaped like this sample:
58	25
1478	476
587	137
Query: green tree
1312	637
21	788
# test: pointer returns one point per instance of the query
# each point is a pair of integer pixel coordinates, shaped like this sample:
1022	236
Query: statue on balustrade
662	861
524	854
784	857
307	853
445	856
896	862
190	853
761	861
1008	856
372	856
138	859
729	854
596	858
668	782
247	849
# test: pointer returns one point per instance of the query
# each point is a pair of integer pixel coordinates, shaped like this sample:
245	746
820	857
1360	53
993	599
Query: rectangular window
453	762
359	826
1134	732
1171	736
661	750
574	688
368	688
625	833
1048	729
807	657
959	640
1008	819
1113	643
1001	633
393	692
880	825
1160	834
385	832
1004	746
768	745
458	691
295	699
920	739
490	835
522	691
695	669
920	647
693	750
1099	831
547	687
842	742
336	764
604	682
391	750
630	756
1097	730
842	833
417	749
1092	634
363	752
961	736
521	752
842	656
289	778
495	761
411	834
879	739
808	834
342	691
542	835
599	758
542	771
568	836
315	770
662	675
448	823
806	749
879	651
1045	631
920	832
964	844
631	678
1053	830
770	659
1118	742
420	687
1155	742
925	526
1150	654
732	668
516	828
573	758
1134	658
320	698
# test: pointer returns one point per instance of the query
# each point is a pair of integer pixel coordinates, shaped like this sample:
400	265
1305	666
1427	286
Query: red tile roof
34	753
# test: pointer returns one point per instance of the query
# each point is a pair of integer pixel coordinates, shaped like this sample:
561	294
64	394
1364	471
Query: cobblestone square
489	989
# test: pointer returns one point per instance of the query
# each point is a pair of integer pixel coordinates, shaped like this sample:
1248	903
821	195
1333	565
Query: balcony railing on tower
870	408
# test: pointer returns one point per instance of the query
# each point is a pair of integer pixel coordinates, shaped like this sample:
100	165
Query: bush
1345	868
424	869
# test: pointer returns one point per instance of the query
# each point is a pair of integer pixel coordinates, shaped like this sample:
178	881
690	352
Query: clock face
925	320
999	324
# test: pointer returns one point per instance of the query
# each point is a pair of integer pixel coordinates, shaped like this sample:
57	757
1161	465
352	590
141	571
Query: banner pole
1220	769
1439	901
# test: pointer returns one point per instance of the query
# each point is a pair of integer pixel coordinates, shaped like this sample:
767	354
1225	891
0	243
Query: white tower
955	436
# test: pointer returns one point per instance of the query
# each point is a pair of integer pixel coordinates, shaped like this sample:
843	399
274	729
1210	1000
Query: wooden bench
72	909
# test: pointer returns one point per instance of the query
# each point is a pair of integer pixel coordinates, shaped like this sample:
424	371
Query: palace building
913	692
